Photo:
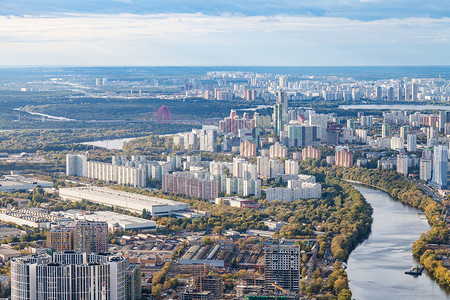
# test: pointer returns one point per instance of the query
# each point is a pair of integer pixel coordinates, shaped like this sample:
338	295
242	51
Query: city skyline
273	33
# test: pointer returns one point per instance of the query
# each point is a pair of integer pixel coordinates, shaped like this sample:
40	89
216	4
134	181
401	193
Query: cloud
229	39
351	9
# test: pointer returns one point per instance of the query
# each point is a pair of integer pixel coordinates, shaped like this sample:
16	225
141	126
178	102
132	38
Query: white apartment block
306	191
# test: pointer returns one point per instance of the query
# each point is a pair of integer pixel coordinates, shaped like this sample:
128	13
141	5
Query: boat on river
416	271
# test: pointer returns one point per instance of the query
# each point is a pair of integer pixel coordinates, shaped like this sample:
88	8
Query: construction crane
279	288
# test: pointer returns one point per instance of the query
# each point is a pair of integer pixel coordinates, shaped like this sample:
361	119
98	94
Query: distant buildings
311	152
402	164
278	150
185	183
247	149
89	237
440	162
306	190
344	158
411	145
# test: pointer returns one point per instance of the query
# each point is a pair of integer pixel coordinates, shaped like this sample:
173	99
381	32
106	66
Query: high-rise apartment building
390	94
278	150
404	132
247	149
282	266
344	158
411	145
402	164
366	121
385	131
91	237
425	169
60	239
76	165
311	152
440	161
69	276
442	120
208	140
291	167
185	183
351	124
279	118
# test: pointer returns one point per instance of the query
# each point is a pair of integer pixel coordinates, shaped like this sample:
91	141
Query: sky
224	32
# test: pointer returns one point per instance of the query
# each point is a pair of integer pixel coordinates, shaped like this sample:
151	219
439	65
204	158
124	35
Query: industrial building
114	220
11	183
30	217
129	201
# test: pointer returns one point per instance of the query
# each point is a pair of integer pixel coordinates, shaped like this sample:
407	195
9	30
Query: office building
411	145
69	275
91	237
76	165
282	265
440	161
302	135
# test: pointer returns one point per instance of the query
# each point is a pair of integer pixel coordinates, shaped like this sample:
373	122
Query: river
115	144
376	268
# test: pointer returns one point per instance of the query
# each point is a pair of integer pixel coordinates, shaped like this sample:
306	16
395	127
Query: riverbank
376	266
405	191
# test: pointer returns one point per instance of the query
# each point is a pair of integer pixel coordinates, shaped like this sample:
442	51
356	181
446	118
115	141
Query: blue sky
220	32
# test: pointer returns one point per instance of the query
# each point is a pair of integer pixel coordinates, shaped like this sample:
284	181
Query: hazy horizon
225	33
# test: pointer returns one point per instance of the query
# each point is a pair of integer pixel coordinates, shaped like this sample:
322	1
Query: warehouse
125	200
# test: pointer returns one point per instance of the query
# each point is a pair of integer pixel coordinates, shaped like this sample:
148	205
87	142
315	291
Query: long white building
120	174
306	191
129	201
